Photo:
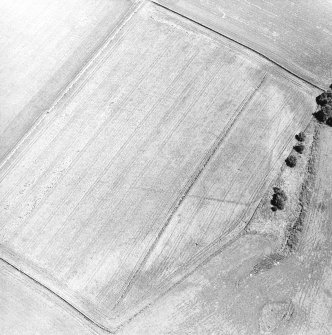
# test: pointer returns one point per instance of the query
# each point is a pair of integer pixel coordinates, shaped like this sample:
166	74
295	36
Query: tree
300	136
291	161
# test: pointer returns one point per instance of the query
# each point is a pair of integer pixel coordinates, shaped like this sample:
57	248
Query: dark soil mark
274	315
267	263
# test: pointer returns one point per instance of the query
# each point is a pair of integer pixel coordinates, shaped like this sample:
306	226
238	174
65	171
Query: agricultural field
140	147
152	163
29	309
243	289
44	44
295	34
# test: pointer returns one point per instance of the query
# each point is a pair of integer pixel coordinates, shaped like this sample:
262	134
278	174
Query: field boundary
11	155
239	43
45	287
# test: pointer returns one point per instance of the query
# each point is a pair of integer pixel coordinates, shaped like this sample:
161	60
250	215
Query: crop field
44	44
223	198
210	301
28	309
152	163
296	35
292	297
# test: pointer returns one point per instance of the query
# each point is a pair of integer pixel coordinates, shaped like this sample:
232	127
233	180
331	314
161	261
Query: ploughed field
253	286
43	45
28	308
296	35
143	176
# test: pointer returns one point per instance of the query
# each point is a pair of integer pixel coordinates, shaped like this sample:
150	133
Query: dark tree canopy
299	148
300	136
324	98
291	161
278	199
